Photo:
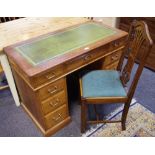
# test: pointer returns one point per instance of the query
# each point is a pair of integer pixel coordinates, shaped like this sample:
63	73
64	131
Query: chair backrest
138	37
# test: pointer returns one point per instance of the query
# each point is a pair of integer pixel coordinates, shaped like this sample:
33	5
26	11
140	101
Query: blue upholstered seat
100	83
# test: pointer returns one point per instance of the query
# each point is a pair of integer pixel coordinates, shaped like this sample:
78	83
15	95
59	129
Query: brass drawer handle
55	103
114	57
87	57
57	118
116	44
50	76
51	91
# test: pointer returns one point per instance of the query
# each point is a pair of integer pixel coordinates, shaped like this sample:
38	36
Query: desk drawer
86	58
56	117
117	43
48	76
112	58
52	89
112	66
54	102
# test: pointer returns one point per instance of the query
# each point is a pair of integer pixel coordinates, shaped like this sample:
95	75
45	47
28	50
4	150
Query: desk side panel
29	98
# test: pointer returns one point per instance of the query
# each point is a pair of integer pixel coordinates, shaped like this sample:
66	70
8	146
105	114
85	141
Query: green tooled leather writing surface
47	48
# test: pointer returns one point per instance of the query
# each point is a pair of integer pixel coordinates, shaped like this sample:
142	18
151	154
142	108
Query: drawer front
73	64
48	76
112	58
54	102
86	58
51	89
56	117
112	66
117	43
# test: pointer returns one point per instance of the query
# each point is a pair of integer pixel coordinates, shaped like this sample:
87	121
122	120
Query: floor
15	122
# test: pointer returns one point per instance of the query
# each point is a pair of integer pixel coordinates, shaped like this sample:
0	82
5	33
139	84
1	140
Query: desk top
26	28
46	48
44	52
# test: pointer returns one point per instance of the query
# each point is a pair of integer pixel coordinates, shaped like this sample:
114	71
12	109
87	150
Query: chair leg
83	117
97	115
124	115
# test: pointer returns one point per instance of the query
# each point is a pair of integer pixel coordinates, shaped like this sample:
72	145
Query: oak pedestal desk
40	66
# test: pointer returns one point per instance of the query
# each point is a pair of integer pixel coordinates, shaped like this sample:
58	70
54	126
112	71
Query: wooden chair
108	86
